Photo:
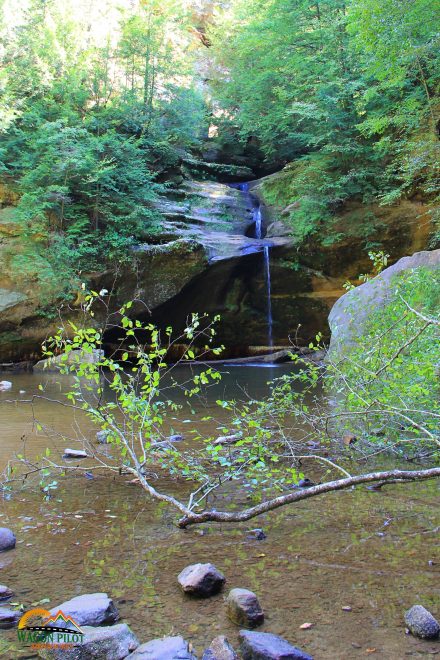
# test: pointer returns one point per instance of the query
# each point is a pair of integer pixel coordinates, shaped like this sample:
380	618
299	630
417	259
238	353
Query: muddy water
375	552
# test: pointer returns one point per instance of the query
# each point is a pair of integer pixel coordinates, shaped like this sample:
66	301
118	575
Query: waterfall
268	295
266	256
264	246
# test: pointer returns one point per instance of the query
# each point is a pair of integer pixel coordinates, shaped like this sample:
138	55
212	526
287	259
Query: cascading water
258	219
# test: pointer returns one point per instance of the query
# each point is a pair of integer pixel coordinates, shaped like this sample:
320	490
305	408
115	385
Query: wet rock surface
9	618
7	539
266	646
106	643
202	580
244	609
90	609
219	649
421	623
167	648
5	592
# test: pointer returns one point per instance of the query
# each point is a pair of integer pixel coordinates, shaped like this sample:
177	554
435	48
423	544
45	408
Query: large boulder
201	580
244	609
421	623
351	312
7	539
167	648
266	646
89	609
106	643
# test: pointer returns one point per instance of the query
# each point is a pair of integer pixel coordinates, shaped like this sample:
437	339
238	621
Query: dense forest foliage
96	102
99	100
348	91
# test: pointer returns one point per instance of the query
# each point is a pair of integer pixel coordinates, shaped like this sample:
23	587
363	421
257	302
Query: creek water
375	552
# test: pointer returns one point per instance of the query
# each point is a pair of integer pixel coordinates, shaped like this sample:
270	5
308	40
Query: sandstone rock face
219	649
265	646
7	539
205	260
244	609
90	610
202	580
421	623
348	317
167	648
106	643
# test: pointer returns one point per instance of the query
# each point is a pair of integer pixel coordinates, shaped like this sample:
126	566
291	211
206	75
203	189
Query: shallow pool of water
376	552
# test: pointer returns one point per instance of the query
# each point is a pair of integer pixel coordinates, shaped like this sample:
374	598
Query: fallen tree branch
306	493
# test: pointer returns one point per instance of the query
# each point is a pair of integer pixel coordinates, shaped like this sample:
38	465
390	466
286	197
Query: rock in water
421	623
219	649
5	385
102	437
90	609
201	580
244	609
265	646
167	648
9	618
257	534
74	453
106	643
175	438
5	592
7	539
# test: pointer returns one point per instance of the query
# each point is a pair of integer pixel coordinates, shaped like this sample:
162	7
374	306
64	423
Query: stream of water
257	216
373	552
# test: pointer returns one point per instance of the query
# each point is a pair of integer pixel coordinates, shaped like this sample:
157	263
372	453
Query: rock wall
205	260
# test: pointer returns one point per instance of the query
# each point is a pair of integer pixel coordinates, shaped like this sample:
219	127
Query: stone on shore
106	643
7	539
219	649
244	609
9	618
90	610
421	623
5	592
202	580
266	646
167	648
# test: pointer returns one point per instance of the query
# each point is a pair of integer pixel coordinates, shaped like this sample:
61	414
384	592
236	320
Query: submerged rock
7	539
9	618
106	643
421	623
167	648
219	649
201	580
244	609
102	437
266	646
257	534
90	609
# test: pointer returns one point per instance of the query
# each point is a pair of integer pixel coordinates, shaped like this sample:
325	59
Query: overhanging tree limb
389	476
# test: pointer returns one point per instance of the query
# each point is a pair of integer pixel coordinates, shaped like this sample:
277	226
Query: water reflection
367	550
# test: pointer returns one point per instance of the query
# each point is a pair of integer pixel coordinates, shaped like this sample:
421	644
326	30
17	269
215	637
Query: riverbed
372	553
